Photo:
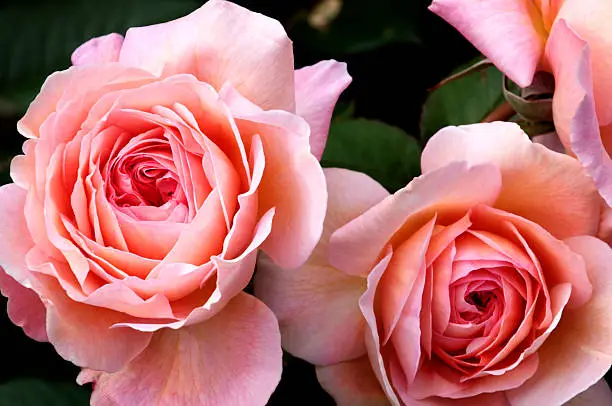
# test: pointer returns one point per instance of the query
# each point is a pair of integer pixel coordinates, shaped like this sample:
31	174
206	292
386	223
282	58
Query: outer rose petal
83	334
98	50
234	358
352	383
574	106
317	305
16	240
597	395
317	89
355	247
24	307
591	20
217	43
506	31
292	182
531	174
579	351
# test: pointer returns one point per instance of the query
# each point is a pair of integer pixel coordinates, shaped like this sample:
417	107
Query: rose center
480	299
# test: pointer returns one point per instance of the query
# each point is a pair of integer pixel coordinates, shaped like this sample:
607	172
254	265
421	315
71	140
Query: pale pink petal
372	338
16	239
506	31
574	112
234	358
352	383
98	50
293	183
597	395
79	332
579	351
73	92
546	187
590	19
317	309
24	307
217	43
317	89
355	247
317	306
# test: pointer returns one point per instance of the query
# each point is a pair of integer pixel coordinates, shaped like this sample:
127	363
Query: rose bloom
569	38
479	283
154	169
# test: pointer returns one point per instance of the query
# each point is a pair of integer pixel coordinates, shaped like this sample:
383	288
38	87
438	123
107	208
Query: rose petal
79	331
234	358
317	89
531	174
16	240
317	306
98	50
579	351
292	182
220	42
352	383
574	106
355	247
25	309
506	31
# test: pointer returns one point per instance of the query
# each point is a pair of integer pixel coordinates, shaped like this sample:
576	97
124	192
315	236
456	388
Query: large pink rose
571	39
479	283
155	168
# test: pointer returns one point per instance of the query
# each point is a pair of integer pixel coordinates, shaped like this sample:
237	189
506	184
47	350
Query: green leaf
37	38
384	152
360	27
31	392
466	100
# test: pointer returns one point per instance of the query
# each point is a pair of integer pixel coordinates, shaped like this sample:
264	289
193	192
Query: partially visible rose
571	39
479	283
155	169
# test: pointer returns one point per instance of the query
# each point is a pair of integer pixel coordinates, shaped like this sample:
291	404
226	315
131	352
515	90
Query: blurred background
396	52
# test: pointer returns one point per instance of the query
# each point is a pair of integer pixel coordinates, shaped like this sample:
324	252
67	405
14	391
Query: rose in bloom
569	38
479	283
154	169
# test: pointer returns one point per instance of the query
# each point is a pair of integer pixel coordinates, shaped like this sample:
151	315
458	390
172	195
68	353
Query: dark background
395	49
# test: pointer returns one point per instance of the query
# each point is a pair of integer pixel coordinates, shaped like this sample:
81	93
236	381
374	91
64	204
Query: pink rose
571	39
154	170
479	283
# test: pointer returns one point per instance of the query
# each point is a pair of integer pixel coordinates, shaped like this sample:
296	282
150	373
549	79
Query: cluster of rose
162	168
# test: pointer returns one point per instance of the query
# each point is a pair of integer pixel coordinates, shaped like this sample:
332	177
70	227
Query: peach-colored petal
217	43
234	358
98	50
531	174
79	331
590	19
579	351
510	33
355	247
372	338
73	92
293	183
16	240
317	89
574	112
352	383
317	306
317	309
24	307
597	395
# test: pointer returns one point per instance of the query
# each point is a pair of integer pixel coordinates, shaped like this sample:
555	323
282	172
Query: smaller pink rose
479	283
